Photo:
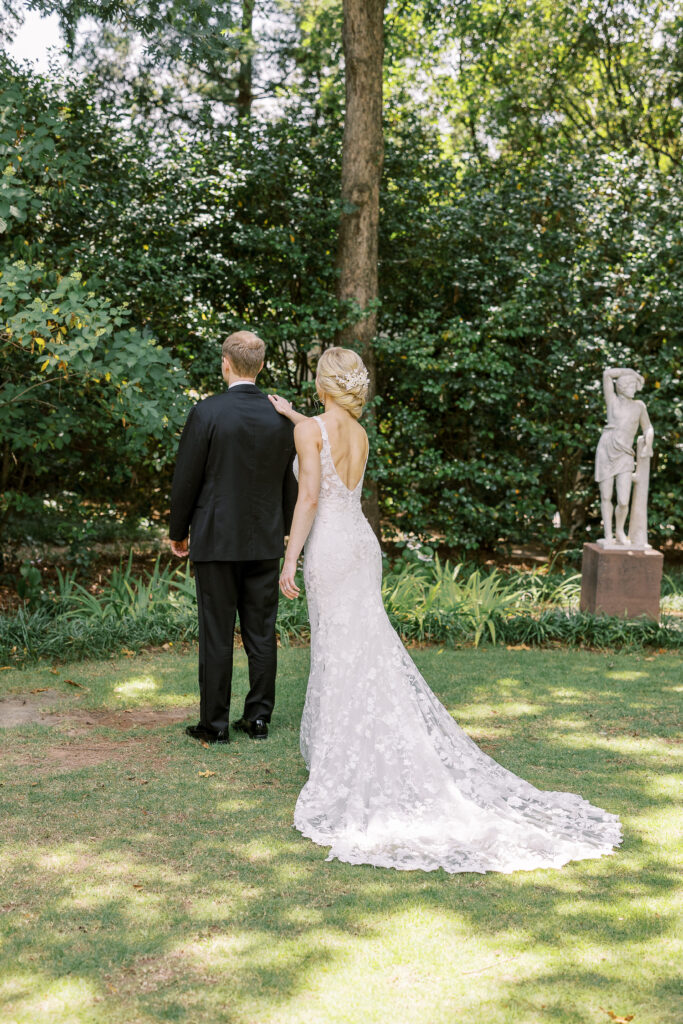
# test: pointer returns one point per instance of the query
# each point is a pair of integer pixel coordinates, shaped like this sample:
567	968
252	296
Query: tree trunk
246	68
362	157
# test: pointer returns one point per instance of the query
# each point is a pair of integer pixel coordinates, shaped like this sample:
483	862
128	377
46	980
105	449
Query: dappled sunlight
257	853
566	725
152	689
483	713
235	806
74	858
283	937
50	997
304	916
172	894
564	695
134	687
16	985
626	676
90	877
509	682
216	947
665	788
623	743
283	971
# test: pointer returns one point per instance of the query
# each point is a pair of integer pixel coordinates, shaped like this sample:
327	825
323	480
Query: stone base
613	545
621	582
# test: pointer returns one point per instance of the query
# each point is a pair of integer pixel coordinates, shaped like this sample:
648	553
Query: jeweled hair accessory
353	379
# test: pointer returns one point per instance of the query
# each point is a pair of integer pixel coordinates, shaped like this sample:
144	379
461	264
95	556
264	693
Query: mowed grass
136	888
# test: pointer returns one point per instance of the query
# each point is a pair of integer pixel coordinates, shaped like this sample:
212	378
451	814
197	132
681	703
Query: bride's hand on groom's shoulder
282	405
286	408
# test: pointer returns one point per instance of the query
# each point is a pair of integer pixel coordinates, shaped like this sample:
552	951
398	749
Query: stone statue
615	460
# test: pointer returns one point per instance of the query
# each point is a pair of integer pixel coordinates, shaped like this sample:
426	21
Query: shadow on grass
180	896
259	921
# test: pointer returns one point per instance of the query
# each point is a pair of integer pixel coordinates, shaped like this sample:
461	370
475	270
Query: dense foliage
506	294
88	397
426	602
530	235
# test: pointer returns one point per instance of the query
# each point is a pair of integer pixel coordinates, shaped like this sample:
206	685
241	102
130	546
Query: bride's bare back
348	446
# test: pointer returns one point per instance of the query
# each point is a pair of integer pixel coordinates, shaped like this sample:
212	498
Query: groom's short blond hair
245	351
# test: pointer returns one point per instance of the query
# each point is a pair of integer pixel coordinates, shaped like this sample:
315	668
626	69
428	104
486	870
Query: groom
234	493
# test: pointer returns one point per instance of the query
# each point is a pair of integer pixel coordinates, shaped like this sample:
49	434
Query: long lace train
393	780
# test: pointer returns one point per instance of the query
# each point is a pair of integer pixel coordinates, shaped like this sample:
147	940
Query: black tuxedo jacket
234	490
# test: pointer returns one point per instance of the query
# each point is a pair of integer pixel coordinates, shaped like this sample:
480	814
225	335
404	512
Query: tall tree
362	159
246	61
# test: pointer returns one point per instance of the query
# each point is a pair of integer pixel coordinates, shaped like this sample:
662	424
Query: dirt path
33	708
28	709
76	742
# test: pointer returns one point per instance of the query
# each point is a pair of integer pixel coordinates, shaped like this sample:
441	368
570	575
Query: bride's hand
287	582
282	405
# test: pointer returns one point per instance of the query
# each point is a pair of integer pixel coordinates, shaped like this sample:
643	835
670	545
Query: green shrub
426	603
506	285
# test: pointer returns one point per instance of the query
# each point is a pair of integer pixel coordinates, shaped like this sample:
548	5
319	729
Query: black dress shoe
201	733
257	730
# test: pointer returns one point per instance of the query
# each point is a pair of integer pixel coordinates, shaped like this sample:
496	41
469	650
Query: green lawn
136	890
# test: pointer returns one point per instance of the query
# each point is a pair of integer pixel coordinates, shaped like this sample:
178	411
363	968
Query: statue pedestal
619	581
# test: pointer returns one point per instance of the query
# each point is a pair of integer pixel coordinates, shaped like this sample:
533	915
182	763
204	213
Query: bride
393	781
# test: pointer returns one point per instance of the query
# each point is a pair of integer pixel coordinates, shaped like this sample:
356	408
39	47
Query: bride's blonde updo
341	374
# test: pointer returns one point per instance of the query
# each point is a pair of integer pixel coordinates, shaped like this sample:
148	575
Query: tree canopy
183	178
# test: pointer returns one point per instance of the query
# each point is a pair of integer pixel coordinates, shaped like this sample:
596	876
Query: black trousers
224	589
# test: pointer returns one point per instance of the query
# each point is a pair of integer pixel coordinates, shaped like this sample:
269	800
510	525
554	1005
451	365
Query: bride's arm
285	408
308	442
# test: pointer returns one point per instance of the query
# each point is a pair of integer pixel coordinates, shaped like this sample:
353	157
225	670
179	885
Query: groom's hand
180	548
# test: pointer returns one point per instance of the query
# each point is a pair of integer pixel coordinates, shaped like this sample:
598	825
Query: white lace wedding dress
394	782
